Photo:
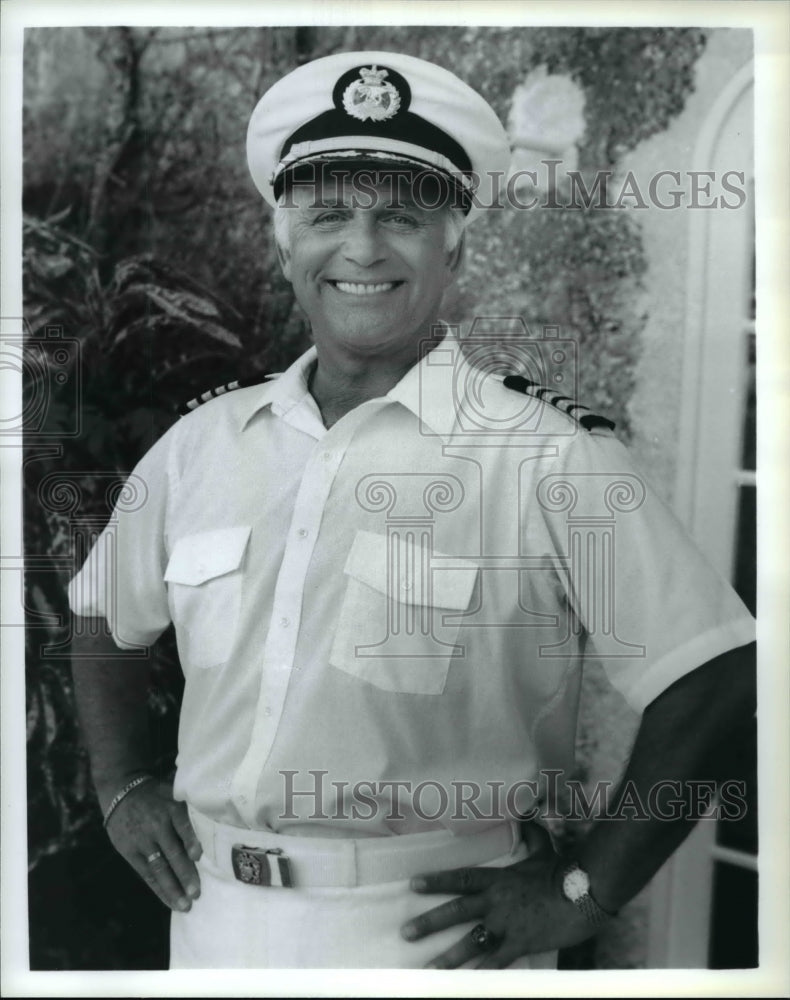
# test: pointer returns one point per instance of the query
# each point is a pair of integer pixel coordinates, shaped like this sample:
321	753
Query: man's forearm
681	739
147	827
111	694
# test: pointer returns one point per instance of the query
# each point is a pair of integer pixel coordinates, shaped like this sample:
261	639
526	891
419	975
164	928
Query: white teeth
356	289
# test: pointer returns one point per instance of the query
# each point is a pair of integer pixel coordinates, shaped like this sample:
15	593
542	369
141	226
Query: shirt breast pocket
204	577
399	623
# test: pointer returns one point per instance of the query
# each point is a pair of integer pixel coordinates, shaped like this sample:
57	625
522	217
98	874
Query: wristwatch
576	889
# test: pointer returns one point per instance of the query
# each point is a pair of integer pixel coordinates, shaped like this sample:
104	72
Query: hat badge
371	97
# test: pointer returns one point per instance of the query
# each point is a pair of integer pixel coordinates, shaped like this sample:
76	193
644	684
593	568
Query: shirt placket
281	642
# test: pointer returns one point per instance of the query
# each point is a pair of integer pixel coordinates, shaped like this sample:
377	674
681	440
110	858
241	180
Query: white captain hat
378	107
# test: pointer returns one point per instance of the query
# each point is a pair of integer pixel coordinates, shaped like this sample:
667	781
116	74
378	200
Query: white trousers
234	925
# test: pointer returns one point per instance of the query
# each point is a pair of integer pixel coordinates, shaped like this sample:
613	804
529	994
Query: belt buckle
261	866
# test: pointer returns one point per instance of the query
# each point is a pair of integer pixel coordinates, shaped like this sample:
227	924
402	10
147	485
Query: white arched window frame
709	477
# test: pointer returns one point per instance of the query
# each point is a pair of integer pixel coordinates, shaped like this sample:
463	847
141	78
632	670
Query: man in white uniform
386	568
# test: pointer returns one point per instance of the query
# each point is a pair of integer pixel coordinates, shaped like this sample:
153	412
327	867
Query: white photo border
770	22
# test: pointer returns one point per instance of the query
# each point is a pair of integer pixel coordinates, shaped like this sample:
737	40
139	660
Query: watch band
593	911
583	900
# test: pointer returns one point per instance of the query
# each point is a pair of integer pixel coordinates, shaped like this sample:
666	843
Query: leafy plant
186	336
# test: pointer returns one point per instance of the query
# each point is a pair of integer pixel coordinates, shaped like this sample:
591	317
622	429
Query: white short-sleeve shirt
374	616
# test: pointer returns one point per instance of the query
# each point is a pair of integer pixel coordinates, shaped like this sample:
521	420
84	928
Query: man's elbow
91	638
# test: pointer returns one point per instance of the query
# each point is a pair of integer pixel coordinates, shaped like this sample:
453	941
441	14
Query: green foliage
147	333
635	81
183	334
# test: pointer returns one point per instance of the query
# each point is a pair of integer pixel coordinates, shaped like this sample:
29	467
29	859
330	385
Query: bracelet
139	780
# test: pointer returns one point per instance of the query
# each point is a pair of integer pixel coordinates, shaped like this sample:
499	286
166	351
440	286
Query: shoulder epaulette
587	420
236	383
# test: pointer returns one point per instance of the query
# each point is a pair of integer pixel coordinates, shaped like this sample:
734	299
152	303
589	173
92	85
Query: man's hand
148	827
153	833
521	907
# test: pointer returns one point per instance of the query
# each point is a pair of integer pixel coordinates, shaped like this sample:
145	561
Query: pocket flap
410	578
200	557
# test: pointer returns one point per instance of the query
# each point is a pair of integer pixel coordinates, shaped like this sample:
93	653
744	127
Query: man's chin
386	343
372	345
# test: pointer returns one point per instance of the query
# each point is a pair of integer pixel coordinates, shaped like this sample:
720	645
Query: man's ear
284	257
456	256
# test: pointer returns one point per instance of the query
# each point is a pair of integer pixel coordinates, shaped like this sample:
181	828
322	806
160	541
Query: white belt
320	862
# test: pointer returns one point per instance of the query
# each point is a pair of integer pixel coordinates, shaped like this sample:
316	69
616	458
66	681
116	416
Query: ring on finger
482	937
155	856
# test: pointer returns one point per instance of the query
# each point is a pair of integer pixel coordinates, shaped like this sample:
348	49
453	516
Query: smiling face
368	268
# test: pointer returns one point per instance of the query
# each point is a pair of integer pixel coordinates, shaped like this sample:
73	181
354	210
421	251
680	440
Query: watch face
575	884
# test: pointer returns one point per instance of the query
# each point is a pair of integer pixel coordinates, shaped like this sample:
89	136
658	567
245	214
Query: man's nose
363	243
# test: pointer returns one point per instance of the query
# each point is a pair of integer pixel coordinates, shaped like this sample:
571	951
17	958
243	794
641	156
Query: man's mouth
364	288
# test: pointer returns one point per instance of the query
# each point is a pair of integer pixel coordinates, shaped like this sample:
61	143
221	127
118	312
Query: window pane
740	767
734	924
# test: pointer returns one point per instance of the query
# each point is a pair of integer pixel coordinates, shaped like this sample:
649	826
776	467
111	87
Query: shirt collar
427	389
282	393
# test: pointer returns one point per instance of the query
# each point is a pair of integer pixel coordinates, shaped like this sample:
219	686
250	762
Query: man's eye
403	221
328	218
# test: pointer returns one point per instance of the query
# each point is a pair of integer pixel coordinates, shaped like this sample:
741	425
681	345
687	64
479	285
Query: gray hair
455	223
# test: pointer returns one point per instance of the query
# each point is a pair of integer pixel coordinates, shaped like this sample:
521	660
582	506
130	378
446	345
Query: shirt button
285	622
327	456
302	532
267	711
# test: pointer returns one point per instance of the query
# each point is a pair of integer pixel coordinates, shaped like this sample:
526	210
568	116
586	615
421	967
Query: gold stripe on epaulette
565	404
221	390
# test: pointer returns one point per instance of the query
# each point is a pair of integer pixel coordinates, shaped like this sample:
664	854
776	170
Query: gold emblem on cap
370	97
